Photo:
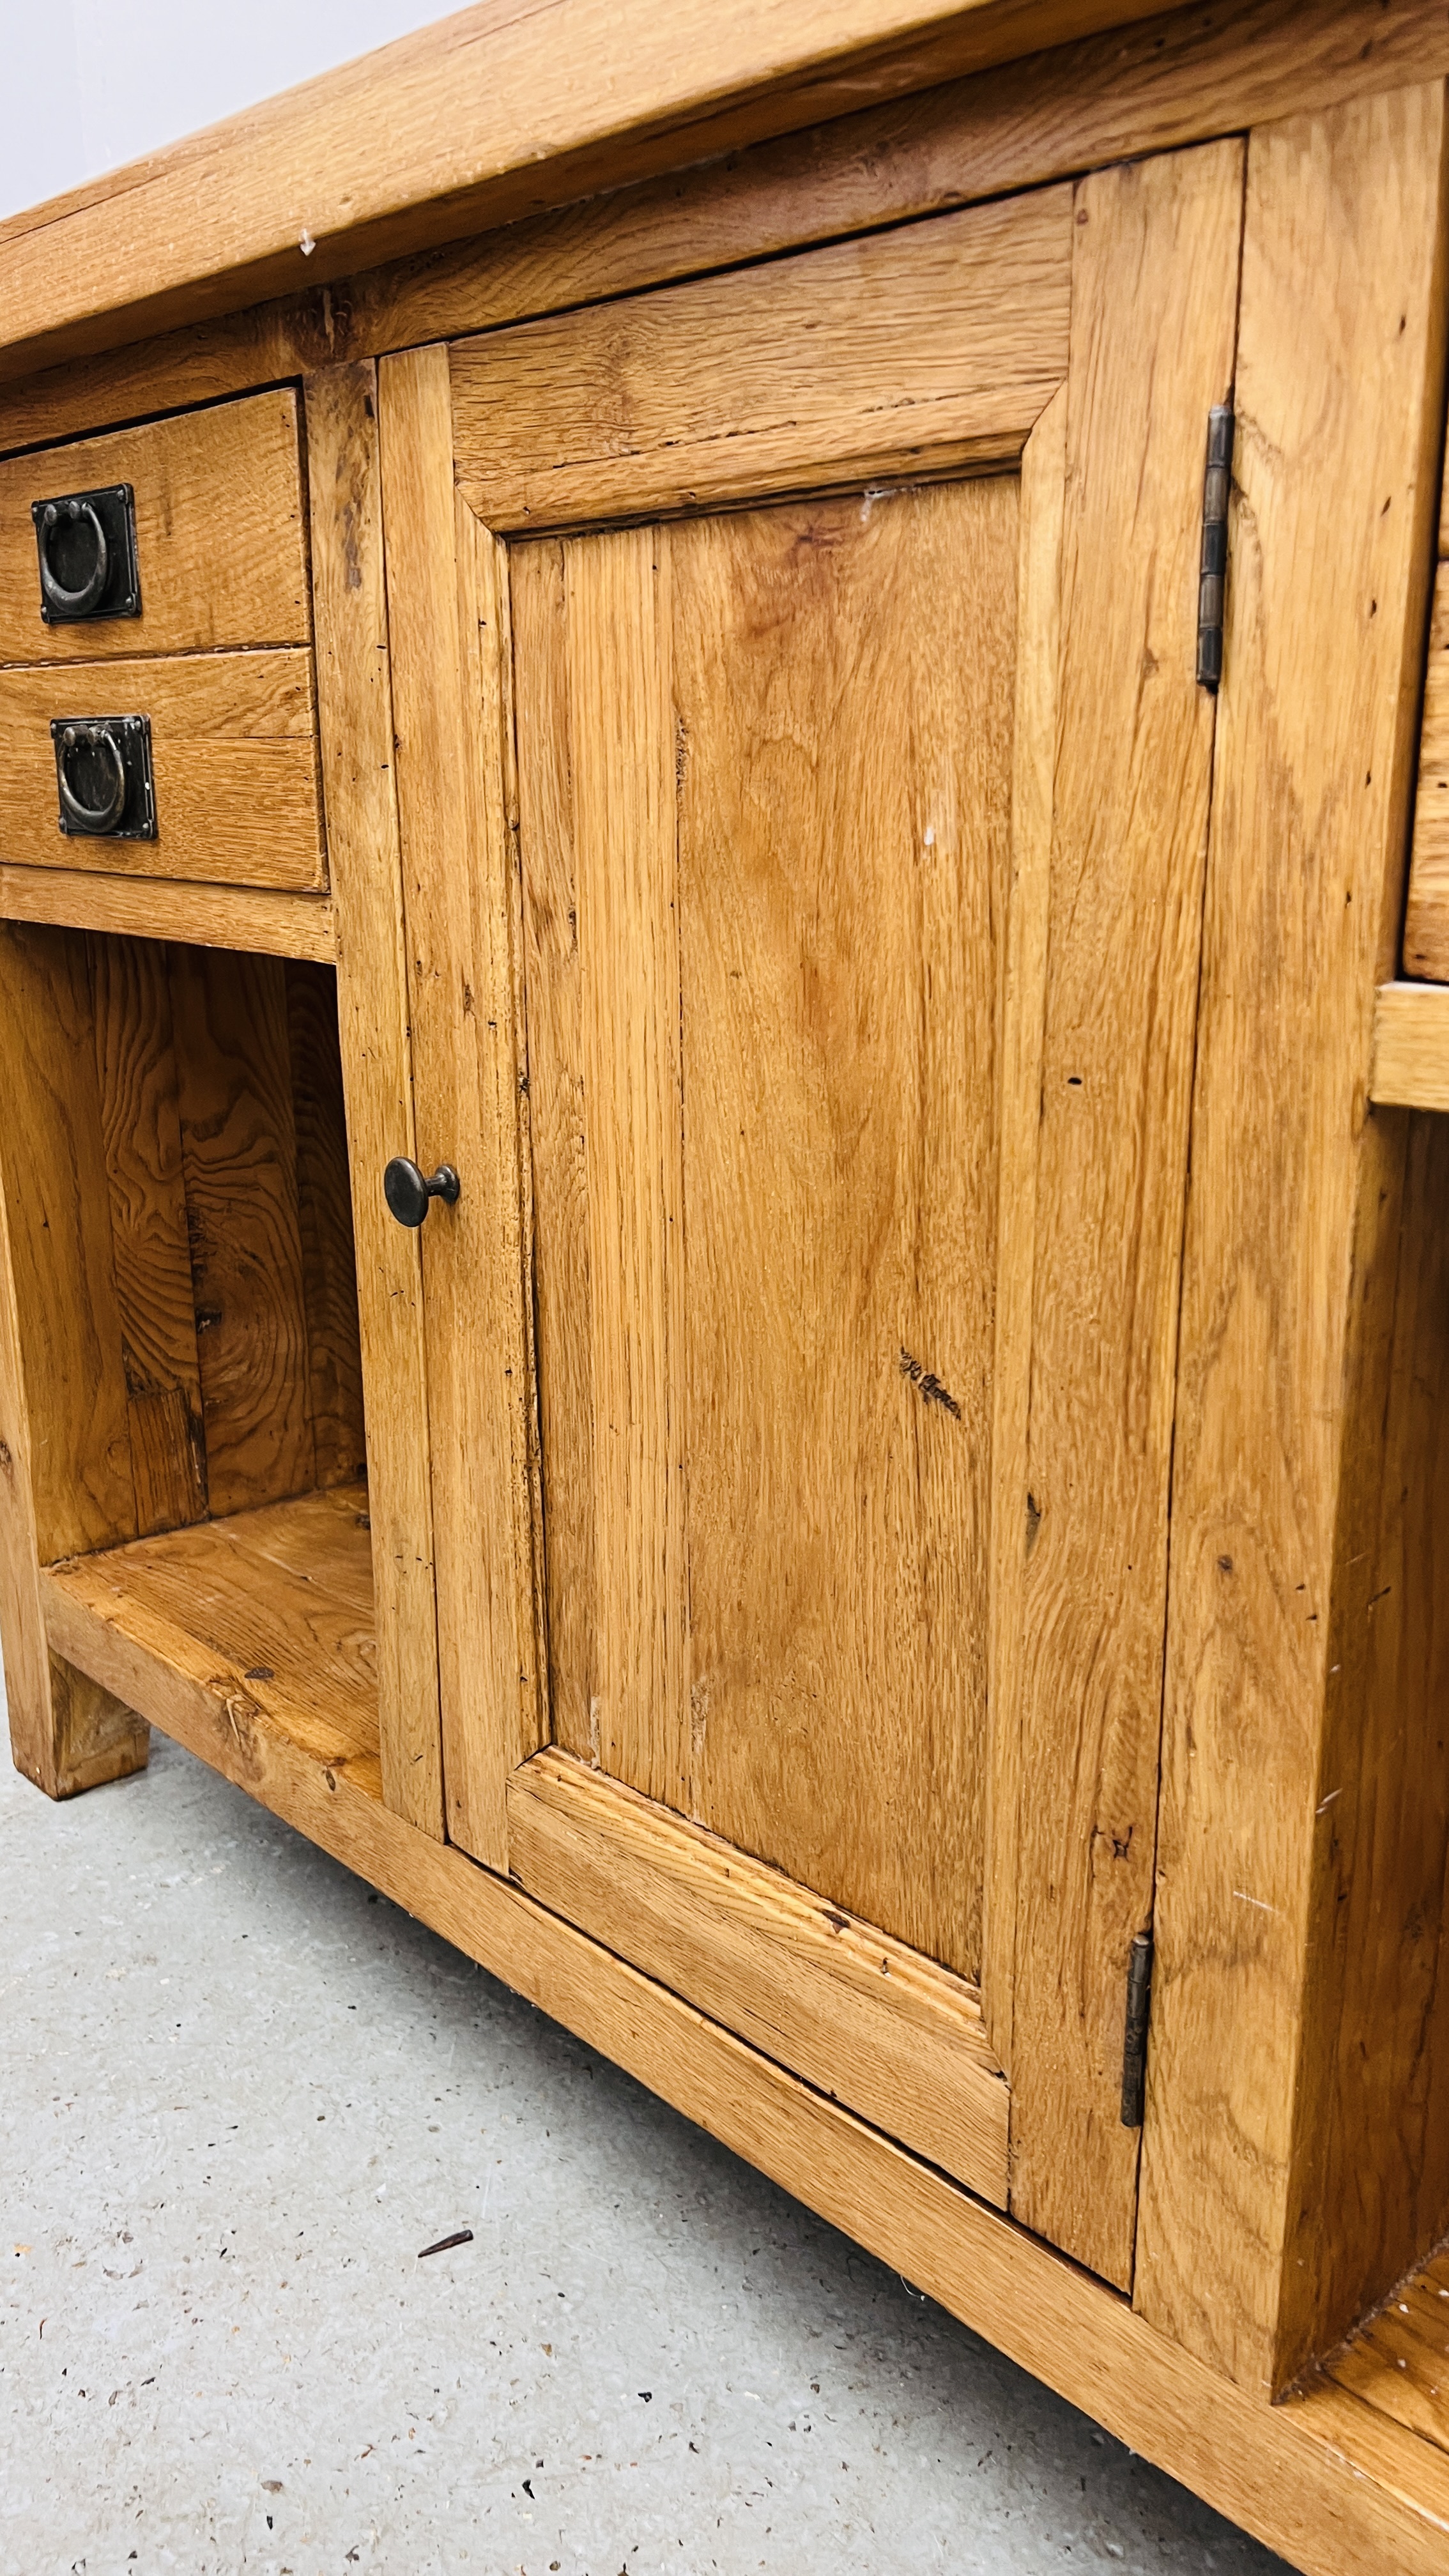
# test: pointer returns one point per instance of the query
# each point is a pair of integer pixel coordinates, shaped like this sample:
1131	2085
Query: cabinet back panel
176	1171
239	1149
141	1133
324	1216
764	894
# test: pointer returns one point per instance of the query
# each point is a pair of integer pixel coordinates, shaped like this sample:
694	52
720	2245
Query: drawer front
220	545
233	740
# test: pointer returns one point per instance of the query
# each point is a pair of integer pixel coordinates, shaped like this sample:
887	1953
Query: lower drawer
233	750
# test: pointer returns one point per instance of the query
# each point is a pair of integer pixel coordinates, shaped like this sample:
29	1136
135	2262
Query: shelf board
269	1611
1399	2363
260	919
1411	1046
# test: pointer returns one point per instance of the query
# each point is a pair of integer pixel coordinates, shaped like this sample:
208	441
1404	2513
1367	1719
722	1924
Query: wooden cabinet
899	1550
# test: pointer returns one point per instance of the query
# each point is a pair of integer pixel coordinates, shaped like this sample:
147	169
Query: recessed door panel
787	1327
848	972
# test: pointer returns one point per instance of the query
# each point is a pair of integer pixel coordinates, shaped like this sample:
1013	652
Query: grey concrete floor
239	2094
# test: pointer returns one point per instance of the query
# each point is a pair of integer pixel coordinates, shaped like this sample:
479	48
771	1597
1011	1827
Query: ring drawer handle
408	1190
92	819
72	603
90	534
103	777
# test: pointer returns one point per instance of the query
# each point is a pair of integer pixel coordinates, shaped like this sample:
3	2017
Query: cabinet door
804	791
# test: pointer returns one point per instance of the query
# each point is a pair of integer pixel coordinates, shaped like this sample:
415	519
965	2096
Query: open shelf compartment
175	1160
269	1611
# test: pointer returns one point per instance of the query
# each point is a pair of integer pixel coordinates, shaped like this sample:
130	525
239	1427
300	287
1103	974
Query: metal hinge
1134	2038
1213	575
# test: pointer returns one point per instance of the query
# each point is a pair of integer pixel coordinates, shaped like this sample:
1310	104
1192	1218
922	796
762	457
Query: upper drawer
220	544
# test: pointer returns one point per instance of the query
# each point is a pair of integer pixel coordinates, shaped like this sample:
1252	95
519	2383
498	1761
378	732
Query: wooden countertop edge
1336	2487
506	109
1411	1047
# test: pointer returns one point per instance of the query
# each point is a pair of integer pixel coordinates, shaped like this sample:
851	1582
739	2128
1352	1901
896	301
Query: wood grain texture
53	1160
622	746
1426	924
1022	986
1179	78
97	1737
860	2016
1399	2362
1153	314
67	1732
926	349
354	702
448	612
239	1152
324	1210
220	546
1339	2487
28	1689
1411	1047
272	925
234	756
274	1605
553	982
844	680
1375	2059
150	1250
1258	2240
764	774
489	116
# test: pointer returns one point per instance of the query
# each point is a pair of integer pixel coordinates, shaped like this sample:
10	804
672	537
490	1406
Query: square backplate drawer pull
103	776
86	542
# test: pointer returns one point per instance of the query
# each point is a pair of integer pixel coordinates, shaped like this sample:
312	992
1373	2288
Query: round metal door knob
407	1190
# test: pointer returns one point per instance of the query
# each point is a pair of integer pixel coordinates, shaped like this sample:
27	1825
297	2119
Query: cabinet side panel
52	1153
1154	295
1272	1748
355	722
1376	2160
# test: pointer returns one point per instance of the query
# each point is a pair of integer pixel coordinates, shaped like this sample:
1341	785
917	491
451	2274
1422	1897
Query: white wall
85	84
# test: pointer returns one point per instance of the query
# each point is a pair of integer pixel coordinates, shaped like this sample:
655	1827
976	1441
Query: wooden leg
67	1733
90	1736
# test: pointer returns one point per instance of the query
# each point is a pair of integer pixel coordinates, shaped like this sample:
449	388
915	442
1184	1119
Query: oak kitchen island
724	995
